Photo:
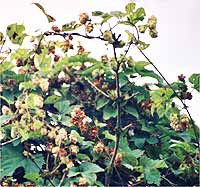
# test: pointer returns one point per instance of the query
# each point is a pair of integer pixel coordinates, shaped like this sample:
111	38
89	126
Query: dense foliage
68	119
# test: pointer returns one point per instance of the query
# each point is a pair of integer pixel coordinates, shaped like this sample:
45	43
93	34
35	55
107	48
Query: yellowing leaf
49	17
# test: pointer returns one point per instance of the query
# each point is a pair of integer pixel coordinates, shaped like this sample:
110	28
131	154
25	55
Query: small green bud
107	35
142	28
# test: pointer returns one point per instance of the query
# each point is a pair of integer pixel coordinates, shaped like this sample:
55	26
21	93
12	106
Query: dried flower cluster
79	119
179	123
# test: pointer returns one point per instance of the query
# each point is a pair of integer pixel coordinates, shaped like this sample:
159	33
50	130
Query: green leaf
143	45
195	80
91	177
26	85
138	15
6	65
89	167
109	136
1	38
52	99
73	171
152	140
139	142
142	28
101	102
34	177
15	33
99	124
161	100
152	176
97	13
131	110
130	7
49	18
83	157
77	135
150	163
117	14
70	26
43	62
106	17
123	79
63	106
34	101
149	73
128	166
140	65
21	54
5	99
140	12
109	112
183	145
129	156
13	158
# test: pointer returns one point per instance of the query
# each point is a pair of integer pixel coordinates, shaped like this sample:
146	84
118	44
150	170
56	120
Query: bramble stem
184	105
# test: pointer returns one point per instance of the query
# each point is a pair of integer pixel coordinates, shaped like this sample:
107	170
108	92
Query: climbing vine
69	119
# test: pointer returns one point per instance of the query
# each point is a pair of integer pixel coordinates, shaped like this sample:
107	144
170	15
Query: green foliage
15	33
195	80
12	158
82	108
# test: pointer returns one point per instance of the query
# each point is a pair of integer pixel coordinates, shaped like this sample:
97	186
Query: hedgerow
69	119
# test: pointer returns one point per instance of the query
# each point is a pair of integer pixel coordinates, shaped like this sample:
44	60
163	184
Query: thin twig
120	178
171	183
10	141
62	179
138	182
127	127
99	90
55	169
64	35
47	162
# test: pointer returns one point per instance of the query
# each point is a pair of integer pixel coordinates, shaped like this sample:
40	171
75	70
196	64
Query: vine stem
118	128
10	141
36	164
64	34
62	179
184	105
99	90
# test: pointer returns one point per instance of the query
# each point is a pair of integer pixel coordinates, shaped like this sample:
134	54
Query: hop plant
79	119
99	147
83	18
118	159
82	181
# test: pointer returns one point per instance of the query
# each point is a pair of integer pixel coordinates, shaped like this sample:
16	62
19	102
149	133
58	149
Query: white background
175	51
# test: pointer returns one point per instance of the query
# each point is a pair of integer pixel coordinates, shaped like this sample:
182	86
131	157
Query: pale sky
175	51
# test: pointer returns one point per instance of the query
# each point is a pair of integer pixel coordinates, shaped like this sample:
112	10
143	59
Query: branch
99	90
48	33
184	105
62	179
118	123
171	183
10	141
55	169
